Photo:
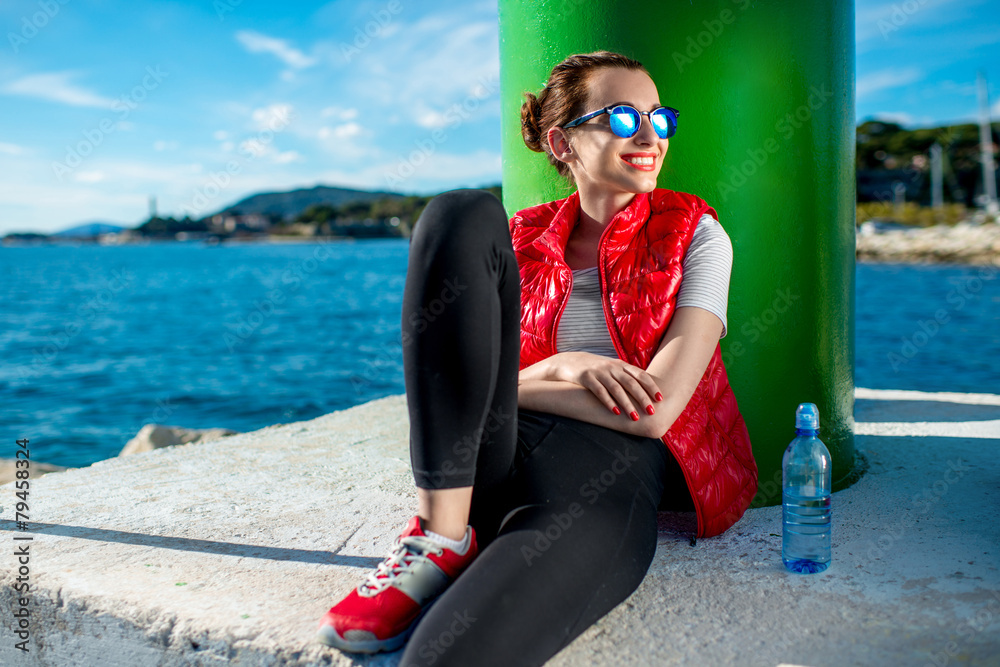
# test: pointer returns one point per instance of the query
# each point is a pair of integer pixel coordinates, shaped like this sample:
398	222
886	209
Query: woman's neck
598	208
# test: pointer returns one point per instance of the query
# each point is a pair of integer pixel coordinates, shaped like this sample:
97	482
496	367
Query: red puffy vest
640	267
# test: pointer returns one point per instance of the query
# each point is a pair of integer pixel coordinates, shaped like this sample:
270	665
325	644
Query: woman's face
601	161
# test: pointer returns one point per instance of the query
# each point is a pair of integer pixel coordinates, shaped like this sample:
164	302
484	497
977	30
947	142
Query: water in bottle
805	544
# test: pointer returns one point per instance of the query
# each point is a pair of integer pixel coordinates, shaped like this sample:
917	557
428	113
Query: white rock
155	436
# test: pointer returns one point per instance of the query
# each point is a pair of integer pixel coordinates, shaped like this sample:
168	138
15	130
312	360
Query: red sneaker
380	614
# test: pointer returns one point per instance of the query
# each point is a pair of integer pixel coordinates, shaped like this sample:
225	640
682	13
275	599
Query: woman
542	493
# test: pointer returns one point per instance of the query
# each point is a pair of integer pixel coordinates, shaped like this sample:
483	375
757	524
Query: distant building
251	222
880	184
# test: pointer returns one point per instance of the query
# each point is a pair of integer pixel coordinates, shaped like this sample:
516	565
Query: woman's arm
559	385
568	399
680	362
586	386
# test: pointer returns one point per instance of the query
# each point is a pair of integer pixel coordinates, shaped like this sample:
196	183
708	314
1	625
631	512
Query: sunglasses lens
624	121
664	122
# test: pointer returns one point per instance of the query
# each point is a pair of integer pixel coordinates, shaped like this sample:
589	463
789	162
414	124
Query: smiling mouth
645	163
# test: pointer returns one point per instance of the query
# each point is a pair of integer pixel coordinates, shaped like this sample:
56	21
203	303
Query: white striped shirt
704	284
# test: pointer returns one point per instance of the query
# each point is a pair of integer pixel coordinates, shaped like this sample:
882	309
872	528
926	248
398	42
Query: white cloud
339	112
887	79
56	87
255	42
109	190
220	135
347	131
89	176
876	23
431	119
254	147
257	148
286	157
274	117
161	145
402	72
10	149
436	167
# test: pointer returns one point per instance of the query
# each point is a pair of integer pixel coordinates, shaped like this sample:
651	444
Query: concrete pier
229	552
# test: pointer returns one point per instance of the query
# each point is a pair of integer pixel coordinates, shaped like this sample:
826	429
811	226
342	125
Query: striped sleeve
707	266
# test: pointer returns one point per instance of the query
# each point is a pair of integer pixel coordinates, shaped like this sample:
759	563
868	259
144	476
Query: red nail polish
649	409
616	410
634	415
659	396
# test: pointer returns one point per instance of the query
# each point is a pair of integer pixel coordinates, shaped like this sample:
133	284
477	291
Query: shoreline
877	241
963	243
87	241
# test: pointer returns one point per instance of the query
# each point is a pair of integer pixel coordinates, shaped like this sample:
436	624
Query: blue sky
200	103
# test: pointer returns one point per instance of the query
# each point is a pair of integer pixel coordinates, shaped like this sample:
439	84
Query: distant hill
89	229
288	205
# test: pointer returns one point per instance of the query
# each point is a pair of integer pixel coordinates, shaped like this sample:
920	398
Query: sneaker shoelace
405	553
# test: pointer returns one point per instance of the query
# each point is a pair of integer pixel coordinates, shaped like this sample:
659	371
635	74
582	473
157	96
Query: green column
766	136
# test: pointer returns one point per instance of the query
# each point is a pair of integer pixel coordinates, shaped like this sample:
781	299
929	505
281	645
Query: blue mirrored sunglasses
625	120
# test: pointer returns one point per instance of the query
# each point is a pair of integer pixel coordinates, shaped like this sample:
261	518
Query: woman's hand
620	386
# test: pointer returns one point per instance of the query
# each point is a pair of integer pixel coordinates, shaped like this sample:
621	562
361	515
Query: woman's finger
639	393
610	392
645	380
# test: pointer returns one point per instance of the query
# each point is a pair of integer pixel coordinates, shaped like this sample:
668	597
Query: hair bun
531	112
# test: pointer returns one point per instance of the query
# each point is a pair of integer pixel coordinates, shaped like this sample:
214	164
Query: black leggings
564	510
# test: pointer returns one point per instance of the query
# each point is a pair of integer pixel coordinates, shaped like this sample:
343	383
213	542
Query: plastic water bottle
805	473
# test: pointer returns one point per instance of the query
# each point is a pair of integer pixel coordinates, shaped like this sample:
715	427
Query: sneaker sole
328	635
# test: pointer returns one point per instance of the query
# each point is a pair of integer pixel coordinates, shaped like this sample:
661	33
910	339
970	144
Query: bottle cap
807	416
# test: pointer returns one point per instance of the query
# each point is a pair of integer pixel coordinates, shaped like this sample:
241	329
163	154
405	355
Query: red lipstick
643	161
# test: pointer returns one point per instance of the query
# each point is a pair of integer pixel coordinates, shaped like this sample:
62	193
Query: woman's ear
559	144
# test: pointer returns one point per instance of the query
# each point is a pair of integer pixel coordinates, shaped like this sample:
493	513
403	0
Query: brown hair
563	98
